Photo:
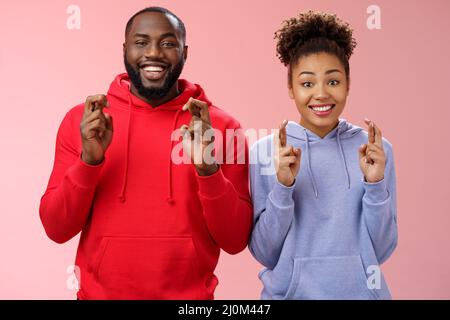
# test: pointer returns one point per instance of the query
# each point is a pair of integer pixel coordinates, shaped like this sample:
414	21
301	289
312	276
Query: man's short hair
160	10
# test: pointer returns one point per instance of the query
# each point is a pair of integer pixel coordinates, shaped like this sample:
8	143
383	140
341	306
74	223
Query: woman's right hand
96	130
287	158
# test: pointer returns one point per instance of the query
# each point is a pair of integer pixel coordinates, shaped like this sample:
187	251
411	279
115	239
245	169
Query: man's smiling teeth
322	108
153	69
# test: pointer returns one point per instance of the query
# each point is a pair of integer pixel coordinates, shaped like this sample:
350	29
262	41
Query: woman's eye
334	82
307	84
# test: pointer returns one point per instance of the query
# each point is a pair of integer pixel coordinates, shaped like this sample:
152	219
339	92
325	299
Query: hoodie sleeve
273	207
66	203
227	207
380	210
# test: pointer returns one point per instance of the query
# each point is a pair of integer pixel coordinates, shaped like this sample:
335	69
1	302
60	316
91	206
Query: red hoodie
150	229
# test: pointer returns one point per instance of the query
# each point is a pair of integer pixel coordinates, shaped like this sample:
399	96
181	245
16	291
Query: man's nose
153	51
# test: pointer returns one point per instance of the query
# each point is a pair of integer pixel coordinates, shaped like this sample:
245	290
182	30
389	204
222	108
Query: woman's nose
321	92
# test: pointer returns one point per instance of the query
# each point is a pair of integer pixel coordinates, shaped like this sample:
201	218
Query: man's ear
124	48
185	52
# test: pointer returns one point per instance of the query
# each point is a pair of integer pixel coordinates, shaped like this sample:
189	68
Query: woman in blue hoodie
324	190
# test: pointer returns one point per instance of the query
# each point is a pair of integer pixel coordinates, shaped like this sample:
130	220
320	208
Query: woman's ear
348	86
289	84
291	91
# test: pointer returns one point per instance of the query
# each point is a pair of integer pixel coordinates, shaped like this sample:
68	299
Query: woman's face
319	87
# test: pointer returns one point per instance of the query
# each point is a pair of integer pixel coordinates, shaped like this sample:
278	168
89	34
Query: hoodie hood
344	130
119	90
120	96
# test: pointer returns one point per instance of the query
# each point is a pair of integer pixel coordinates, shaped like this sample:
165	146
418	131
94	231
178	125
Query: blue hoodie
325	236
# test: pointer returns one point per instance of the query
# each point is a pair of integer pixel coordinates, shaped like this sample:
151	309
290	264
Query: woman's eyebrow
306	72
327	72
333	70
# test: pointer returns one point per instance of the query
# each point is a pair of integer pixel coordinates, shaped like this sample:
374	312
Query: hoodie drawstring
308	158
341	150
170	198
308	163
122	196
127	145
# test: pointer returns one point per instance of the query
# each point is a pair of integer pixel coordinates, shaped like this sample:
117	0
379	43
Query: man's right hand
96	130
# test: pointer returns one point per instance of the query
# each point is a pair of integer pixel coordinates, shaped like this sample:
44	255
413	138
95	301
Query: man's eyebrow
167	35
327	72
146	36
141	35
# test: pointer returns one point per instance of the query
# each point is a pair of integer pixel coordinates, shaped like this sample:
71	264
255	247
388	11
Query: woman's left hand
372	158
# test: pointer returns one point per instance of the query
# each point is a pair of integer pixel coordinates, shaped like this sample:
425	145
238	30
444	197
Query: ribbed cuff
281	195
212	186
376	192
85	175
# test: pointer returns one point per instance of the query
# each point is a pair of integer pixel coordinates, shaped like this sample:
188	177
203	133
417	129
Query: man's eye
334	82
141	43
307	84
168	44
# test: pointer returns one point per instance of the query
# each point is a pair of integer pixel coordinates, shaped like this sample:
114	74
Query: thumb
184	130
362	151
109	121
186	136
298	154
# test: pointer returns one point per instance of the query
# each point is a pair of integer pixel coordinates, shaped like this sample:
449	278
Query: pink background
399	79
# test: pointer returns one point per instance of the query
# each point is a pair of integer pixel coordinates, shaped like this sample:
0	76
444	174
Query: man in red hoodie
150	228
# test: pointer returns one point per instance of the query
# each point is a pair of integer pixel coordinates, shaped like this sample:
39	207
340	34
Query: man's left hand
198	138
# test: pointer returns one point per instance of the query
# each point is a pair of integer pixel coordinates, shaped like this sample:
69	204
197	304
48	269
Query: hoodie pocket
329	278
148	267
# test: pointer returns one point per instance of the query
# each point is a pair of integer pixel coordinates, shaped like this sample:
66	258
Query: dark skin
153	38
200	123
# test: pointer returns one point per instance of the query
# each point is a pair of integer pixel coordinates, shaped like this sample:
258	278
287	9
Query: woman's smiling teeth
322	110
322	107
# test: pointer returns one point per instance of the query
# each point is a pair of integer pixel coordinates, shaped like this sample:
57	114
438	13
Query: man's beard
154	93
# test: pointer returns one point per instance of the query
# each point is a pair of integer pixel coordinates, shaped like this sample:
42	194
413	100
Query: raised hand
372	158
96	130
198	137
287	158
